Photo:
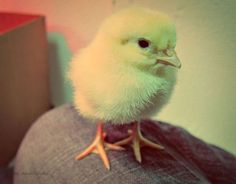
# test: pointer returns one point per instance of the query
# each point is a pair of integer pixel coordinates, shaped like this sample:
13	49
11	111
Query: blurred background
204	101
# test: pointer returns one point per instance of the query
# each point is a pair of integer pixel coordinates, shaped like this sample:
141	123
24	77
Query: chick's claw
137	140
99	146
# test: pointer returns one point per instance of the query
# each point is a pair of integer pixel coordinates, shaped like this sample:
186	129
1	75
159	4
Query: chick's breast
112	92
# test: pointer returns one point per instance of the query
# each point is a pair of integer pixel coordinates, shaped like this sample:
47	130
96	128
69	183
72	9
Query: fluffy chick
126	73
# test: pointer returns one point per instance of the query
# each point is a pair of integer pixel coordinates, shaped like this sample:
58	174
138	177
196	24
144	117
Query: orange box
24	78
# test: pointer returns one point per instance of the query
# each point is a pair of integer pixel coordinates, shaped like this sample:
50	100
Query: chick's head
141	38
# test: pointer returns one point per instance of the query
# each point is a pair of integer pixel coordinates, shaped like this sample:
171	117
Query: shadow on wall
59	58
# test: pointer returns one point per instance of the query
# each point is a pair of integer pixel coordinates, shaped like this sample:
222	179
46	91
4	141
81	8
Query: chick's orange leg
99	146
137	140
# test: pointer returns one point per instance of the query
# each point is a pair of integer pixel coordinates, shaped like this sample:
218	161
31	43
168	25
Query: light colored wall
204	101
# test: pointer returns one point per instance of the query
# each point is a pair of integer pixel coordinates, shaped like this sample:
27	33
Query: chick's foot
137	140
99	146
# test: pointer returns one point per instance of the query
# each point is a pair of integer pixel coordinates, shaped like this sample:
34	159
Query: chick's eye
143	43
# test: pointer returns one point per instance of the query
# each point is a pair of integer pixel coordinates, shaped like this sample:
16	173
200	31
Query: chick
125	74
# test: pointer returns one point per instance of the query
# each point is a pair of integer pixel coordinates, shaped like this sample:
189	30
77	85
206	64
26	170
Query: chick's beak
172	60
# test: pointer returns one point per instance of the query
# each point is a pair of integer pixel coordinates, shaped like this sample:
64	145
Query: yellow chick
125	74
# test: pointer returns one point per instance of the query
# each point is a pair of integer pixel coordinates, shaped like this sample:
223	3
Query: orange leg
137	140
99	146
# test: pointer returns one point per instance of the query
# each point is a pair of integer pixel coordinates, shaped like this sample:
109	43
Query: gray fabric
6	175
47	153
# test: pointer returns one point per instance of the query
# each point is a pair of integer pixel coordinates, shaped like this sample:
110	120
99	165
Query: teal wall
59	58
